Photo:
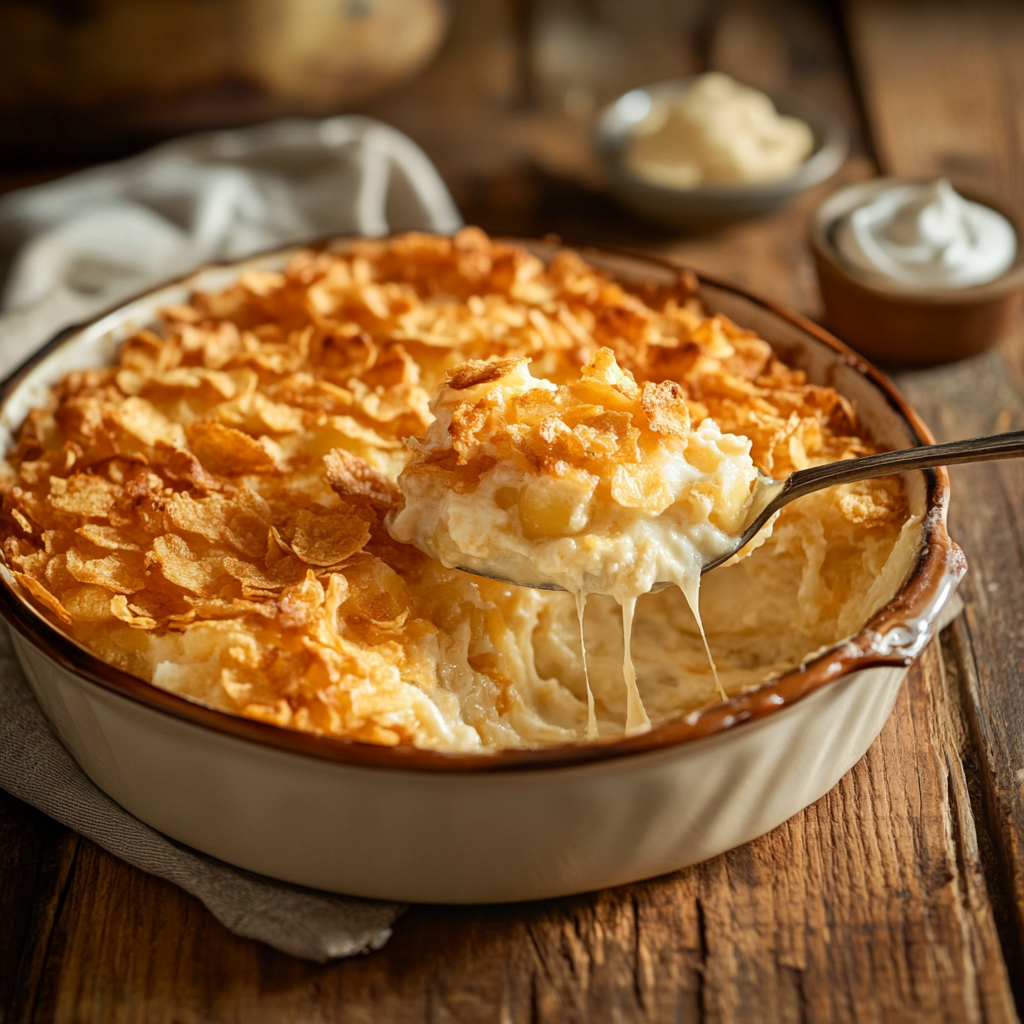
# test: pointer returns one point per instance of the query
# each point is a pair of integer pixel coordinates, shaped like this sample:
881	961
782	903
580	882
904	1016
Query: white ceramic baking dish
408	824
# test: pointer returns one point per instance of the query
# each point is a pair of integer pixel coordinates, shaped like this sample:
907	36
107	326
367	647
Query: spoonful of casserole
603	485
600	484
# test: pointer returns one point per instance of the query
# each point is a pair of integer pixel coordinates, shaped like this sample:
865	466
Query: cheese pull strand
581	604
691	591
636	715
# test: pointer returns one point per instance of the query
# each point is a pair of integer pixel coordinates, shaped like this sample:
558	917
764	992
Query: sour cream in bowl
918	271
926	235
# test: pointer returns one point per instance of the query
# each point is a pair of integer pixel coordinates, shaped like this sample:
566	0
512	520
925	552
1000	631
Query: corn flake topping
208	512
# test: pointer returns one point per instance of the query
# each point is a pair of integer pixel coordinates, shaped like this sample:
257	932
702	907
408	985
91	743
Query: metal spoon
769	495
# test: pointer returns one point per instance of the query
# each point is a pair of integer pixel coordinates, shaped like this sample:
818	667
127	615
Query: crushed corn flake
208	513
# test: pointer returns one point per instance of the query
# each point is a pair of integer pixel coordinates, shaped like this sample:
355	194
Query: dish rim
879	643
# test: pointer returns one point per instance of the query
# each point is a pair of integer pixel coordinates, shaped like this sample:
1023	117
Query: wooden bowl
892	324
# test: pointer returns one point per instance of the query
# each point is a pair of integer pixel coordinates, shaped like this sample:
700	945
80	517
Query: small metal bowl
711	206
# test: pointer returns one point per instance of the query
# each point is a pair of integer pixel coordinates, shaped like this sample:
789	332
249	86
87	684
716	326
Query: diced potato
731	504
705	457
553	508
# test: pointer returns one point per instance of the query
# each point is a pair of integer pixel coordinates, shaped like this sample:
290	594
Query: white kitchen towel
70	248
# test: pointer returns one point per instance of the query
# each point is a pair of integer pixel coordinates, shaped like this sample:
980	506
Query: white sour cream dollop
927	236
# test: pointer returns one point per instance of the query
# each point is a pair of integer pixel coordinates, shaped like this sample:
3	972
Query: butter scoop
926	235
717	131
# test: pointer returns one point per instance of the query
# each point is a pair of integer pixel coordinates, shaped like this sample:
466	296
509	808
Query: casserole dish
411	824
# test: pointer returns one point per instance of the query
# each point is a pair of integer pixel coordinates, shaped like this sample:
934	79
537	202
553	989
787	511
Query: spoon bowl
769	495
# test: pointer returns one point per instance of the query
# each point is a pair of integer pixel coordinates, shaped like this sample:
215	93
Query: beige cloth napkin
73	247
36	768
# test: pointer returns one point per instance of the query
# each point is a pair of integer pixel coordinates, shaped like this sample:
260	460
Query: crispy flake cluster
602	425
208	512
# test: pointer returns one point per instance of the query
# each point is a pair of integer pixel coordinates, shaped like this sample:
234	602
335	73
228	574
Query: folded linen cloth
72	247
35	767
75	246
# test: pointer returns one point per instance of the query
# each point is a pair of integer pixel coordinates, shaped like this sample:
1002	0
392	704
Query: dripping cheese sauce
209	512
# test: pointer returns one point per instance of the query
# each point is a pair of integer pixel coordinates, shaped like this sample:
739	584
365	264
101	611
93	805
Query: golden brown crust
665	407
591	424
480	371
229	477
354	480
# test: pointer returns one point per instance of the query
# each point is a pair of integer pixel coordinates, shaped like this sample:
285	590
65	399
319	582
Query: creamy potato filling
597	486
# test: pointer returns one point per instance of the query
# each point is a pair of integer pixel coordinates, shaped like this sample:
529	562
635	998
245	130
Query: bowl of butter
699	152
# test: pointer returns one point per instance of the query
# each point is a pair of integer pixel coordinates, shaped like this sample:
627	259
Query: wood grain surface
972	93
897	897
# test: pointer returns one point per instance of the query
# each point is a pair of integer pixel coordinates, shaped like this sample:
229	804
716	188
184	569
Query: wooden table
899	896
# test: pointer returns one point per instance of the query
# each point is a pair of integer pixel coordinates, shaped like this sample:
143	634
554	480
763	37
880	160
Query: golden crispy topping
480	371
208	512
355	480
602	425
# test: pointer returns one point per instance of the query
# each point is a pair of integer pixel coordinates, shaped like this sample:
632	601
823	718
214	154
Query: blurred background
500	93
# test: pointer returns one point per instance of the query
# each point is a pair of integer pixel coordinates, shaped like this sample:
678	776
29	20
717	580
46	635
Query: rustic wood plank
25	834
946	93
39	858
942	83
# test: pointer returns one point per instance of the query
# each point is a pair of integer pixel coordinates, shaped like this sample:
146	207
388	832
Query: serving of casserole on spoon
605	486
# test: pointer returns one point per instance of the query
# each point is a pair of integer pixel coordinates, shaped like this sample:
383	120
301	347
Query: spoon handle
976	449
